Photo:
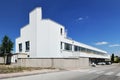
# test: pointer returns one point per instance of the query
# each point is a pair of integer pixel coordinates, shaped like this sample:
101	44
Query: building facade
44	38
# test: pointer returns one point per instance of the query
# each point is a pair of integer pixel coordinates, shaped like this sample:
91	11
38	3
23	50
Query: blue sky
93	22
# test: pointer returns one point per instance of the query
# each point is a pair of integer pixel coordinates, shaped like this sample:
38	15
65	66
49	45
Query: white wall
48	39
28	33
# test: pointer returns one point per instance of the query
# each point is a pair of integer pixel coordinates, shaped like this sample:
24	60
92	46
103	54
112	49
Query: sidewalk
26	73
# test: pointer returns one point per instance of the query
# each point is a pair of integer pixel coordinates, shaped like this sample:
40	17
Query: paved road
106	72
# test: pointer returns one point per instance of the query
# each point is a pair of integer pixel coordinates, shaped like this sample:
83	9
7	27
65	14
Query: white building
46	38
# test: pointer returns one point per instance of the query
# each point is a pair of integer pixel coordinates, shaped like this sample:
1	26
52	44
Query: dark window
76	48
68	46
61	31
27	44
61	45
20	47
79	48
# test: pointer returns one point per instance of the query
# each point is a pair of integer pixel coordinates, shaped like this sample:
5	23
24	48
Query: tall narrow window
61	31
61	45
27	44
20	47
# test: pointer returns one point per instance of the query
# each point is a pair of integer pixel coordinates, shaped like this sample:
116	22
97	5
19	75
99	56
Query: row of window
27	46
69	47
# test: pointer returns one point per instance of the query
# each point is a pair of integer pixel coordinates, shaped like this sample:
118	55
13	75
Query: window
27	44
20	47
61	45
76	48
88	50
79	48
61	31
83	49
68	46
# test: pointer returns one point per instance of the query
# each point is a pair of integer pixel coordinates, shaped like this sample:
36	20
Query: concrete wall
62	63
1	60
18	55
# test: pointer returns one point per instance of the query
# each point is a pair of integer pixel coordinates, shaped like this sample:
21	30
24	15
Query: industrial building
45	38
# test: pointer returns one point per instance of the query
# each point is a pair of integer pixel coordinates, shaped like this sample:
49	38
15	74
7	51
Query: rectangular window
68	46
61	45
79	48
83	49
20	47
27	44
88	50
61	31
76	48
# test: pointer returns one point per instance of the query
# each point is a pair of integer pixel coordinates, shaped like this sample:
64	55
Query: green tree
6	47
112	58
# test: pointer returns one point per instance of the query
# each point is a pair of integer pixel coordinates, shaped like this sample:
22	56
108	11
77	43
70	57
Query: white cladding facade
46	38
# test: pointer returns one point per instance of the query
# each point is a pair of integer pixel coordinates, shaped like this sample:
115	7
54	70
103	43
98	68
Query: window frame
27	46
67	47
20	47
61	31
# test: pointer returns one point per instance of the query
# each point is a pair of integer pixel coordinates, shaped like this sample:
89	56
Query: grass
6	69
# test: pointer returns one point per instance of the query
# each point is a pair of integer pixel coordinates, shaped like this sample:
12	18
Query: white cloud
114	45
80	18
101	43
